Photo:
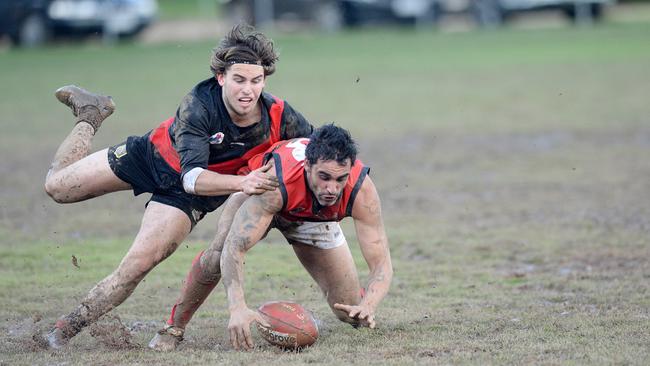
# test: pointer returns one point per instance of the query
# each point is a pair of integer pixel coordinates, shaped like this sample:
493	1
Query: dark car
333	14
24	21
486	13
32	22
326	14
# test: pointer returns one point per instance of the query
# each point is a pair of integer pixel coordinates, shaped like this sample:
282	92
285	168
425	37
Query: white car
32	22
115	17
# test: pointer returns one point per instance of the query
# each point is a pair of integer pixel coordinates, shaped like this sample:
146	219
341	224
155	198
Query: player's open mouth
245	101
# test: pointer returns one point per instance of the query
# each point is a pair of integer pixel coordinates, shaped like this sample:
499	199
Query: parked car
32	22
24	21
486	13
492	13
333	14
325	14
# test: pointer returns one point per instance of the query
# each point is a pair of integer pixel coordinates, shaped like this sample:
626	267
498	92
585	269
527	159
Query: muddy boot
86	106
60	335
55	339
167	339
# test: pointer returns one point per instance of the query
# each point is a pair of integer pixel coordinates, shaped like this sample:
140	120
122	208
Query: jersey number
298	149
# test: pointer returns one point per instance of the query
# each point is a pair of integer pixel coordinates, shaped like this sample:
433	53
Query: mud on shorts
323	235
137	162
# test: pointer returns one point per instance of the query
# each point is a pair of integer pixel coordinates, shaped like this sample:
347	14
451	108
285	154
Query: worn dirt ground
511	167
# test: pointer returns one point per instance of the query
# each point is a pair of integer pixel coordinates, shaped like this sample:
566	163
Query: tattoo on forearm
244	233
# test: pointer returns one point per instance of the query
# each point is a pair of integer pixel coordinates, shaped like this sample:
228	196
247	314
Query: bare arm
258	181
192	133
374	247
248	227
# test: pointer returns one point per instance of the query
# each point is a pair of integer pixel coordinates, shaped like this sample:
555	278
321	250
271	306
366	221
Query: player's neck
248	119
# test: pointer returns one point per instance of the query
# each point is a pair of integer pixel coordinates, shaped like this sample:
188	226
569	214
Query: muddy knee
210	265
56	191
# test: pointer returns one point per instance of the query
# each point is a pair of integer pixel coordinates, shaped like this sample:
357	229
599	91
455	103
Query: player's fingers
267	179
248	338
268	186
264	183
233	339
343	307
354	313
371	321
266	167
241	338
254	191
368	314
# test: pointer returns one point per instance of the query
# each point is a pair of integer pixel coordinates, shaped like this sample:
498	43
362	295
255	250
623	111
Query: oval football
291	325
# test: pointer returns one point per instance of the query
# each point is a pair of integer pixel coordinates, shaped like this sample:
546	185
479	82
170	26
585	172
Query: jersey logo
298	148
216	139
120	151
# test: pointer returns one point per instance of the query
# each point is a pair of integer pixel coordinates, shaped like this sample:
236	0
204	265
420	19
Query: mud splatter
25	336
112	333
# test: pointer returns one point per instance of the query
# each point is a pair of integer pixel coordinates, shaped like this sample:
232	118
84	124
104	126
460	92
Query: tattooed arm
369	226
248	227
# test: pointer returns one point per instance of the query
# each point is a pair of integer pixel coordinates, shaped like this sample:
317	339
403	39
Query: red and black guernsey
203	135
299	203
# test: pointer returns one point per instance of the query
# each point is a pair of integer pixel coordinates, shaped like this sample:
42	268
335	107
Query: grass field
512	167
191	9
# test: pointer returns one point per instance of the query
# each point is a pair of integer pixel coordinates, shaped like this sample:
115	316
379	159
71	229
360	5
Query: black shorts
137	163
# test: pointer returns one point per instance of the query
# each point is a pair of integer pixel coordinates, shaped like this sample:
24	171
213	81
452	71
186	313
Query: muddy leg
75	147
90	110
203	277
163	229
73	175
336	274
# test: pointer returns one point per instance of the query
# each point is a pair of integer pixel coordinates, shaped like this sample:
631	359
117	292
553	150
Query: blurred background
30	23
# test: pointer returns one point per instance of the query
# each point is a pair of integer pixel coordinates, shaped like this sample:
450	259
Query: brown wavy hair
243	44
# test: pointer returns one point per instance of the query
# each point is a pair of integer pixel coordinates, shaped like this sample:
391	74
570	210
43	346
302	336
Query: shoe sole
64	93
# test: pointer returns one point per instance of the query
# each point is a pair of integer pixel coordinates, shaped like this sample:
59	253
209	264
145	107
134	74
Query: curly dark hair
331	142
243	44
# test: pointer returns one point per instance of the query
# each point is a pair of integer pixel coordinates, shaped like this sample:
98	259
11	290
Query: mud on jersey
203	135
299	203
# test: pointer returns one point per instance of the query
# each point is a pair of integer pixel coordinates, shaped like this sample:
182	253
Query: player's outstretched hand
239	327
364	314
260	180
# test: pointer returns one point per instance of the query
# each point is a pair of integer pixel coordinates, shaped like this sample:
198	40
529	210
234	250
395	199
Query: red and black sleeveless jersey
299	203
203	135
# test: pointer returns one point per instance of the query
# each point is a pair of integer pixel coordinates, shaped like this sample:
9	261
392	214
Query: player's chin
242	111
327	200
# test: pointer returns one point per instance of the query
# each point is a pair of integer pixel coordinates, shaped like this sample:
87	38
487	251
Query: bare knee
210	264
56	191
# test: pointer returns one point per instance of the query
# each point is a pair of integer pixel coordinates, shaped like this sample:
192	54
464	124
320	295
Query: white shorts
323	235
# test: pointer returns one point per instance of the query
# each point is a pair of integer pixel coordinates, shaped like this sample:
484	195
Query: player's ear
221	78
